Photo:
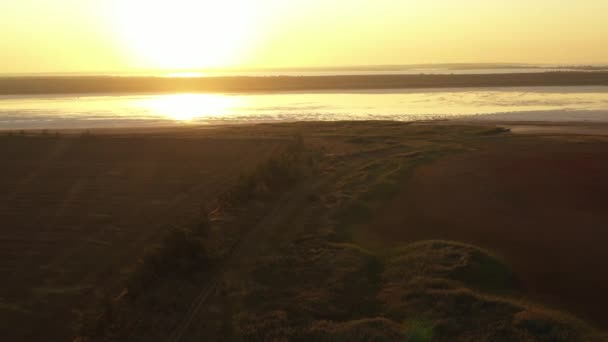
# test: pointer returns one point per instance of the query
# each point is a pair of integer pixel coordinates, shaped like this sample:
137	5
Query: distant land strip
116	85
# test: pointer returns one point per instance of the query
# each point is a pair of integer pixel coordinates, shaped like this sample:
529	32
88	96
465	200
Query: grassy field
312	231
76	212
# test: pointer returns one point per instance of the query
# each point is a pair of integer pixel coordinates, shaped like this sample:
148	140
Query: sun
185	34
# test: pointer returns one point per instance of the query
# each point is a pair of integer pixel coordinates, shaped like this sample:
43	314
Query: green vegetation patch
315	279
451	261
367	189
369	329
273	176
446	291
426	291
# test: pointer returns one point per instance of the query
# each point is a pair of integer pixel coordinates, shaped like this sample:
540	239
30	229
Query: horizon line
370	67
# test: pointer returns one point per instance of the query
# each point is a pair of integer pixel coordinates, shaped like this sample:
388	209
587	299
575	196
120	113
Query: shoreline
256	84
517	127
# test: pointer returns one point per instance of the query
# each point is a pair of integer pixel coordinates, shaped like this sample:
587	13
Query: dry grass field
77	212
315	231
537	201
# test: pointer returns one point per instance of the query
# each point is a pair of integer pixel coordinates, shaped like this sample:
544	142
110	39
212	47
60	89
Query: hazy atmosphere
309	170
115	35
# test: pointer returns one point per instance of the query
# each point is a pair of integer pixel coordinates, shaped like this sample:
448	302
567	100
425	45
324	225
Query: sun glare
185	34
188	107
185	74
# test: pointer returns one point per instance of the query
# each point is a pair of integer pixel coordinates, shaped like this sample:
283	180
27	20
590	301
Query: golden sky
138	35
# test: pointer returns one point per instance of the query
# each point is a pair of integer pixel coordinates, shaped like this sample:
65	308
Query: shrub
272	176
181	253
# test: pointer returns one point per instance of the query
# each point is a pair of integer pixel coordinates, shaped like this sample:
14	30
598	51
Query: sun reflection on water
189	107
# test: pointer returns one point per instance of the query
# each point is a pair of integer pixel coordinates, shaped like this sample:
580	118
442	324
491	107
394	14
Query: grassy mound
316	290
317	280
370	329
450	291
450	262
426	291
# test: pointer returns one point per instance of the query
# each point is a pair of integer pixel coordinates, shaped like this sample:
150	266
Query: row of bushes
182	259
182	252
273	176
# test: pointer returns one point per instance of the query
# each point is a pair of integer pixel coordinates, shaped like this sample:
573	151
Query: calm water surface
534	104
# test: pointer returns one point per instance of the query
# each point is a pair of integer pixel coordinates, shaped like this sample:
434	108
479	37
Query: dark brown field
538	202
77	211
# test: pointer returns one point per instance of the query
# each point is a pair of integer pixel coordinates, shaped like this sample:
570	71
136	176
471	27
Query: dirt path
299	212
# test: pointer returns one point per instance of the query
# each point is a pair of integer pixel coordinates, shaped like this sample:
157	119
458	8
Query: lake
578	103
